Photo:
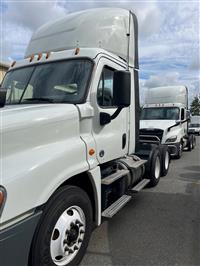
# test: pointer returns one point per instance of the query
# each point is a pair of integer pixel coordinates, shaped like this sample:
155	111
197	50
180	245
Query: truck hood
30	126
161	124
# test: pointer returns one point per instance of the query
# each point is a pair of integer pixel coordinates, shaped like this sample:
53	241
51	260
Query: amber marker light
31	58
13	63
77	51
39	56
48	55
91	152
1	197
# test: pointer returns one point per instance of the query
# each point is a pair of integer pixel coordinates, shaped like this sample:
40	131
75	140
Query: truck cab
70	151
165	117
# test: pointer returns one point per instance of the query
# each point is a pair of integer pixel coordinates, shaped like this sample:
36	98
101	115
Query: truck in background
165	118
194	126
70	151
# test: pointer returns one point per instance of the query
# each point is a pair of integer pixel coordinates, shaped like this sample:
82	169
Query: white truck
194	126
165	118
70	151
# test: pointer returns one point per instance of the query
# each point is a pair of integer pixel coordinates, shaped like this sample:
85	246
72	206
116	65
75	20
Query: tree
195	106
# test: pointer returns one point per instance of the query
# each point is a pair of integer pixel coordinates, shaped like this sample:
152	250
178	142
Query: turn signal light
91	152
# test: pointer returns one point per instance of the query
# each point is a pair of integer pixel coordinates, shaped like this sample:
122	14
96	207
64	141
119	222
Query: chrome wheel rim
166	160
157	168
67	236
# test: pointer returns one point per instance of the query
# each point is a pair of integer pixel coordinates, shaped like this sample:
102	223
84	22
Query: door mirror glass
182	114
122	88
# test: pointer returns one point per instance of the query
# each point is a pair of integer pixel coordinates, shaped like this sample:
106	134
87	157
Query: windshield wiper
38	100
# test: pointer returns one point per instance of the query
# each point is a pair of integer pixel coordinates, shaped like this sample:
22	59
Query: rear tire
153	170
63	233
165	159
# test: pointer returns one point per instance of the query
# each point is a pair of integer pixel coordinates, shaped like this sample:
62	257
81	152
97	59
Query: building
3	68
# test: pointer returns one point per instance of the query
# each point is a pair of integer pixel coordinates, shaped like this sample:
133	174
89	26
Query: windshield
63	81
195	125
160	113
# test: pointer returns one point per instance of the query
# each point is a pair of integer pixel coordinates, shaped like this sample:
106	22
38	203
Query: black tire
179	151
189	144
193	141
63	199
152	168
165	160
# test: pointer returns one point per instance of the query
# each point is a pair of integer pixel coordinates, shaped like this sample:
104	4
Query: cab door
111	139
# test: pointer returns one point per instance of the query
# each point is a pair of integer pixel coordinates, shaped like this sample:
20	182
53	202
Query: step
116	206
113	177
140	185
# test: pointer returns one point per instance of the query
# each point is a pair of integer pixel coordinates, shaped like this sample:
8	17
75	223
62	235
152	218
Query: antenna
128	38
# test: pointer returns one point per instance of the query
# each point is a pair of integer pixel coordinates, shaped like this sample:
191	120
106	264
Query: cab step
140	185
116	206
113	177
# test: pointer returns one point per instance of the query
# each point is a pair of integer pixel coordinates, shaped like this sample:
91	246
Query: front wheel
179	151
64	231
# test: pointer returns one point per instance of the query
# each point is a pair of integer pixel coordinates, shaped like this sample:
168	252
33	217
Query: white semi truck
194	126
70	151
165	118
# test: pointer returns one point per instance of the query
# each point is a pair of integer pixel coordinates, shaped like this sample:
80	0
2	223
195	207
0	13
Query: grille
151	134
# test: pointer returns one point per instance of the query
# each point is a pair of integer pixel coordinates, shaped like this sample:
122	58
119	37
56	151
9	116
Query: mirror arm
116	113
106	118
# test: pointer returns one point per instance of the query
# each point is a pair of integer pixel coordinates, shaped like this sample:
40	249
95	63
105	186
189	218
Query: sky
169	35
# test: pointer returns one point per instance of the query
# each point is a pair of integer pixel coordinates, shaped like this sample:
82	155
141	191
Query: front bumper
15	241
173	148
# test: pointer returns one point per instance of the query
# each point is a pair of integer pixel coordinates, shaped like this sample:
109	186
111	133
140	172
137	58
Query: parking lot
160	226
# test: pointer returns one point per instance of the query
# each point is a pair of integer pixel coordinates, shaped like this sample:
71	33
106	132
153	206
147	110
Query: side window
105	88
182	114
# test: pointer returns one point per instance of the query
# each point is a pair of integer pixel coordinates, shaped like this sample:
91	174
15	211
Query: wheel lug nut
67	232
70	251
80	240
66	249
82	232
75	248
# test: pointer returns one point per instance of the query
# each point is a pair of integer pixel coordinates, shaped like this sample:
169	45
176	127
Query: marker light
31	58
2	198
91	152
13	63
48	55
77	51
39	56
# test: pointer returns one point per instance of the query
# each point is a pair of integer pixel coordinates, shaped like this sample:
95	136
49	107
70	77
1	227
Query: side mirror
3	93
122	88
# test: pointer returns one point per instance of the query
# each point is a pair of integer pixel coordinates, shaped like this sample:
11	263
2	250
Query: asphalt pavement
159	226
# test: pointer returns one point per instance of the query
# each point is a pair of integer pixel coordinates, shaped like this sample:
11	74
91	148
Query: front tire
63	233
180	151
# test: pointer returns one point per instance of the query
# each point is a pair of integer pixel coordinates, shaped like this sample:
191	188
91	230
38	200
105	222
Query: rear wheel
153	171
165	157
63	233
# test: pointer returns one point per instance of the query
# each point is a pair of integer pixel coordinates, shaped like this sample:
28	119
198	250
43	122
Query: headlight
2	198
172	139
